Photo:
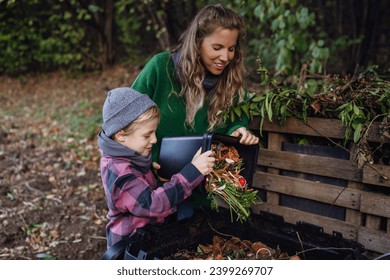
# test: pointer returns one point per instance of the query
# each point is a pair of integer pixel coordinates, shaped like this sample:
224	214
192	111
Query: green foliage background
43	36
88	35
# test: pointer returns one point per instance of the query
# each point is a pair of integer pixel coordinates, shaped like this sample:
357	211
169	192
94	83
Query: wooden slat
373	222
374	240
354	216
314	127
330	128
318	165
275	141
326	193
375	204
376	174
349	231
374	135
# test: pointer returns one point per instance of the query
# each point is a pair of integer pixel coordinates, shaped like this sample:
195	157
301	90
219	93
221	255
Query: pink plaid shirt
134	198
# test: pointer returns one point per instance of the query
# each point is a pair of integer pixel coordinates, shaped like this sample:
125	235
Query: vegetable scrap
225	183
232	248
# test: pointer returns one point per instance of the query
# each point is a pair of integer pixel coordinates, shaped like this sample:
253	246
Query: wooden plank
376	174
329	128
318	165
374	240
354	216
388	227
314	127
275	141
373	134
373	222
375	204
326	193
349	231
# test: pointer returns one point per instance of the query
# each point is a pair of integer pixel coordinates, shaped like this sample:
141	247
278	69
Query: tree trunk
108	40
159	21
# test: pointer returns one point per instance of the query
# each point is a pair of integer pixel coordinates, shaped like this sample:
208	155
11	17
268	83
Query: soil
51	200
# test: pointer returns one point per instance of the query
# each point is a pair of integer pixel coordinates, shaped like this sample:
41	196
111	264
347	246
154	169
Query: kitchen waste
225	184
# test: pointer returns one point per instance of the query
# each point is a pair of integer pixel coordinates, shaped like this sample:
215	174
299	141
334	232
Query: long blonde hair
191	72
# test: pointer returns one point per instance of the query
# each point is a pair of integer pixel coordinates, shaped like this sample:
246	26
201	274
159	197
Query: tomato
242	181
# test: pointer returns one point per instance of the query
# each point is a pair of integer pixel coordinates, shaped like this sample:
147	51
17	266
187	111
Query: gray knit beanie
122	107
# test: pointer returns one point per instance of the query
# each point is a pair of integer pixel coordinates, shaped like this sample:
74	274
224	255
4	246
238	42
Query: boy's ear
120	136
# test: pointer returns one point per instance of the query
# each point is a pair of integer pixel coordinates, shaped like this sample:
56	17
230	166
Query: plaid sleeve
138	194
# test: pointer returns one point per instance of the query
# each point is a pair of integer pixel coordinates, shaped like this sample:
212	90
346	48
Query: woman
201	77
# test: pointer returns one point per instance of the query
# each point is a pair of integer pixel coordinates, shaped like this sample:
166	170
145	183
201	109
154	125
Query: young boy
125	142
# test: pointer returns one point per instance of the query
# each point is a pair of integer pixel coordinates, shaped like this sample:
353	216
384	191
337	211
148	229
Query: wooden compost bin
328	191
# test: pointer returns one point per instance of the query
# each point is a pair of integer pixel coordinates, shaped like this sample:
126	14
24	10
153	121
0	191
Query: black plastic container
176	152
308	241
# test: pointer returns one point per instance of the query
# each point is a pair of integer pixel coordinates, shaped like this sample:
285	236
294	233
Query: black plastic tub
308	241
176	152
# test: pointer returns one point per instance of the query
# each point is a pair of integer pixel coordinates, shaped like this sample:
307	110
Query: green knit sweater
157	79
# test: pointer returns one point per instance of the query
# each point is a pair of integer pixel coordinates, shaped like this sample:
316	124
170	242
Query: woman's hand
246	137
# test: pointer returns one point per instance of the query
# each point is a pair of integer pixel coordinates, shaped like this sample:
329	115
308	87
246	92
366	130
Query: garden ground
51	199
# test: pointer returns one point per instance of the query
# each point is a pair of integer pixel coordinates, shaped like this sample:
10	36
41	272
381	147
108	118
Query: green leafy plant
286	35
30	229
356	101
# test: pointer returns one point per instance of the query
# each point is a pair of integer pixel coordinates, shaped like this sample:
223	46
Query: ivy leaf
245	108
232	116
356	110
358	130
237	110
257	99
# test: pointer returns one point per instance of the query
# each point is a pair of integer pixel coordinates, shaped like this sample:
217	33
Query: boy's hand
156	167
204	162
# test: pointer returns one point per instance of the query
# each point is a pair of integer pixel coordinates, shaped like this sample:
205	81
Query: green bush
36	36
285	35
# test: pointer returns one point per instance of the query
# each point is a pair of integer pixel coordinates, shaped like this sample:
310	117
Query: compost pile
225	183
232	248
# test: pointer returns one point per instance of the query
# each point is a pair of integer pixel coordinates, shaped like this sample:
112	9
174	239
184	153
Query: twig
228	235
27	184
300	241
220	233
337	197
324	248
352	80
369	125
98	237
264	249
364	137
382	256
384	177
333	142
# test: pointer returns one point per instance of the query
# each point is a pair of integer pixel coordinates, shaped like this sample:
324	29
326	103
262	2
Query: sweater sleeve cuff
233	128
191	173
237	124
